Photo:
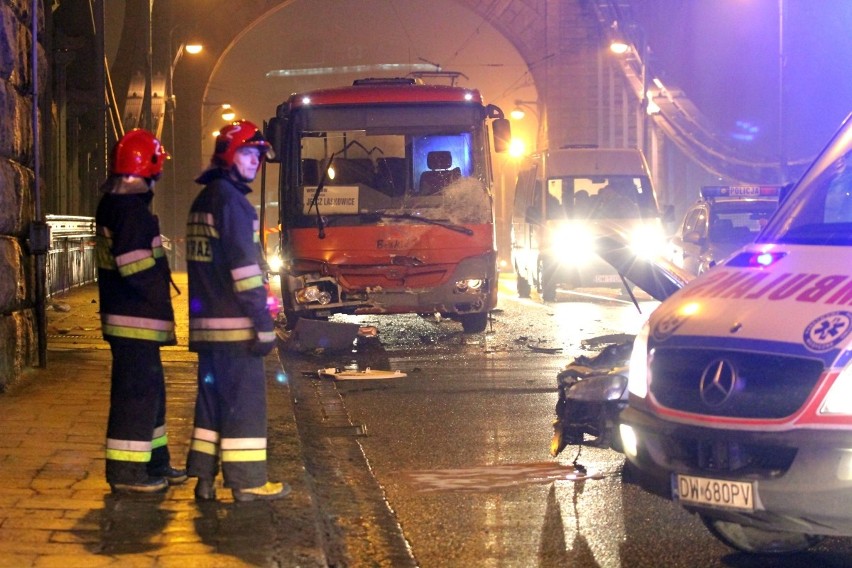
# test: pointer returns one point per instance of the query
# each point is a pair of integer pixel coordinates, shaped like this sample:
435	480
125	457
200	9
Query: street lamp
636	59
517	146
191	47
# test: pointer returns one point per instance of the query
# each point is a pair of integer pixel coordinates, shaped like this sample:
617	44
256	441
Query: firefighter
230	326
136	317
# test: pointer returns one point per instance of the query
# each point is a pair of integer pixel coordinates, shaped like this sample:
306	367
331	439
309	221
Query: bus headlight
637	379
471	285
310	294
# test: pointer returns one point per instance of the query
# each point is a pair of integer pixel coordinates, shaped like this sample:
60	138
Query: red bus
386	201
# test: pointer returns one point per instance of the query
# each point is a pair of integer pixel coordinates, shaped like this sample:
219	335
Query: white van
560	198
740	404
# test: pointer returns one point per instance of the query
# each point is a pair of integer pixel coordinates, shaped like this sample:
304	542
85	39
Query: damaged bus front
386	202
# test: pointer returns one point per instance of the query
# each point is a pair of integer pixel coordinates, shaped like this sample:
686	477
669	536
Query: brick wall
18	348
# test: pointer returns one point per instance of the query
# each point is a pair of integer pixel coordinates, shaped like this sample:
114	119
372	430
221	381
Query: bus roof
378	91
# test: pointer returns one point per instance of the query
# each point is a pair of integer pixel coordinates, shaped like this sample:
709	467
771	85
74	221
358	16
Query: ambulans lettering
792	286
740	290
822	287
842	296
833	289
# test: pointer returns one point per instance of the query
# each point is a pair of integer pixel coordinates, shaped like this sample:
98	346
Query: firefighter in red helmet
136	317
230	326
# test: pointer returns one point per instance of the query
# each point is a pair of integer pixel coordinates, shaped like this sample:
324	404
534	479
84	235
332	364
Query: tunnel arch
582	100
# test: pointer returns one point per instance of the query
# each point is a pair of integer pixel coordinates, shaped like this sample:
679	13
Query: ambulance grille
749	385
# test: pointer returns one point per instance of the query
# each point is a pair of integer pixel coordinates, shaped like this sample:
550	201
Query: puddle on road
491	477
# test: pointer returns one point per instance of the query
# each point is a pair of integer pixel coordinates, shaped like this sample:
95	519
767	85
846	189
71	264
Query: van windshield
601	197
819	209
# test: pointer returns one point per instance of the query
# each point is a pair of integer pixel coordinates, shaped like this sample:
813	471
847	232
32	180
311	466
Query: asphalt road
450	465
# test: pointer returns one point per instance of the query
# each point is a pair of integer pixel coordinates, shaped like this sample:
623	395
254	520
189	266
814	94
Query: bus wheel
474	323
524	287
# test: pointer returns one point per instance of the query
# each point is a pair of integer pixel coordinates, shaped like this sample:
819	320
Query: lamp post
518	113
192	47
637	58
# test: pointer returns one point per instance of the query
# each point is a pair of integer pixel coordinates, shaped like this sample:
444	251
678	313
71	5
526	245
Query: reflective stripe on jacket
227	292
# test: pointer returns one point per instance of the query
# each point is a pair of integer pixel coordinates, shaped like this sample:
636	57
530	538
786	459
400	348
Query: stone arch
582	98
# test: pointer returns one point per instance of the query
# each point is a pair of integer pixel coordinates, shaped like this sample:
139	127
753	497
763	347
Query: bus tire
474	323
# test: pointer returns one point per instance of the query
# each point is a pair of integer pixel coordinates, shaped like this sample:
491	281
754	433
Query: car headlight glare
573	243
637	381
839	397
648	241
275	263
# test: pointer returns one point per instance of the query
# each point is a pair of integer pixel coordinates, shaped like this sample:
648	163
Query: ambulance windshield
819	209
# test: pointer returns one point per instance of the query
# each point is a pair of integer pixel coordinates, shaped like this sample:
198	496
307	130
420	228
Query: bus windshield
392	165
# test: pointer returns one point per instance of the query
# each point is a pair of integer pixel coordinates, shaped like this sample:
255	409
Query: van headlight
839	397
647	241
637	378
573	244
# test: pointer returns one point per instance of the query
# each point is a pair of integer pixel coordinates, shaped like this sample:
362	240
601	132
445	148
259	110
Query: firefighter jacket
133	272
227	284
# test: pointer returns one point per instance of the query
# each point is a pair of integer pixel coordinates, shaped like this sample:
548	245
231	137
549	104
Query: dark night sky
724	54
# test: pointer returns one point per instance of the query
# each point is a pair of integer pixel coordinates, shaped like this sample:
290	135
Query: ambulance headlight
839	397
629	440
637	379
647	241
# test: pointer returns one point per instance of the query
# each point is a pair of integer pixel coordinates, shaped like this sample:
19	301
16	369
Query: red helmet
138	153
234	136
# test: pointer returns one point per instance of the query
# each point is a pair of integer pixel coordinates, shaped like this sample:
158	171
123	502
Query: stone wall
18	348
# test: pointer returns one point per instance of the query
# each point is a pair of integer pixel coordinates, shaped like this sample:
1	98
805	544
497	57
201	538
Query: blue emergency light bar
714	191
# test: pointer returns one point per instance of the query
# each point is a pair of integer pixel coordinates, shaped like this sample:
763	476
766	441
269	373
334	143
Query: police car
740	383
723	220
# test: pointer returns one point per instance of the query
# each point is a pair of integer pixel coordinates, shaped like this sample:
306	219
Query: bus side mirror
501	130
273	131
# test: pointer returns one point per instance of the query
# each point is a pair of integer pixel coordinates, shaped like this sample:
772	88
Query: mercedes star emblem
718	382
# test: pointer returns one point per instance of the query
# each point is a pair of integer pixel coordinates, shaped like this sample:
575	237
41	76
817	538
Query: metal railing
71	258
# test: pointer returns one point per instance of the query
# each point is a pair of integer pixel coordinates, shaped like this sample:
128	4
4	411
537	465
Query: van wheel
546	283
759	541
474	323
524	288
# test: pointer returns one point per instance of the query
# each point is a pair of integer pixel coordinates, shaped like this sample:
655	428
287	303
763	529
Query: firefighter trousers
136	445
230	420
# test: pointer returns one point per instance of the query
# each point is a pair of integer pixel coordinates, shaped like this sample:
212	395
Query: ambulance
740	383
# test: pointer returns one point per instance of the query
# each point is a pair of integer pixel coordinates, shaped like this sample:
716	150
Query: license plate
607	278
694	490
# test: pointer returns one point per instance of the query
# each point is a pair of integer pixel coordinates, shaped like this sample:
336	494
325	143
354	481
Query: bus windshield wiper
439	222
